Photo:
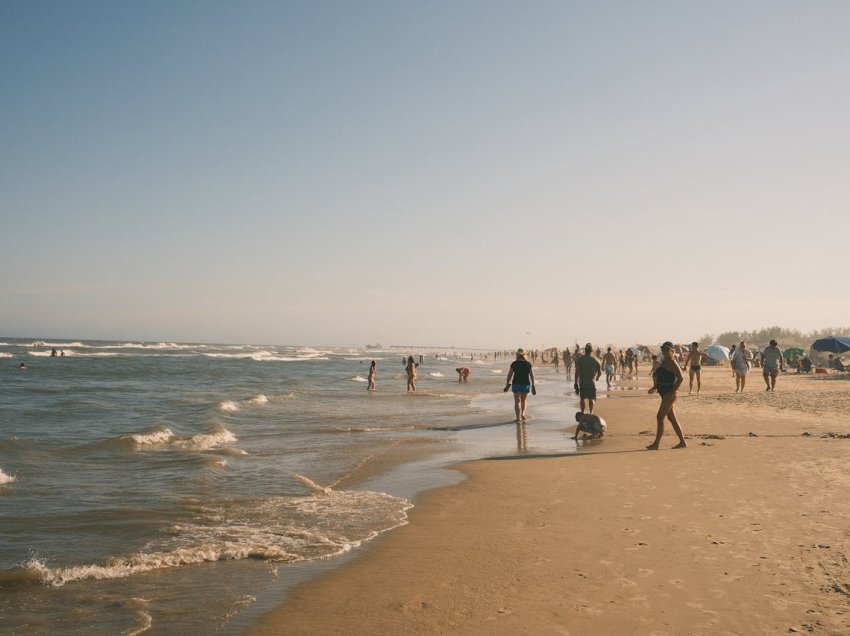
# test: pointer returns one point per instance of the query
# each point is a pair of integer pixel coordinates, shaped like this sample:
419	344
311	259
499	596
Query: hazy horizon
488	173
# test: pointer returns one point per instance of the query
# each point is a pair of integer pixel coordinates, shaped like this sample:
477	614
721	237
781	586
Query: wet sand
743	532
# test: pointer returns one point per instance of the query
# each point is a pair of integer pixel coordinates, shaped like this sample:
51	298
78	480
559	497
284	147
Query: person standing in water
520	381
588	371
610	363
411	374
372	373
666	381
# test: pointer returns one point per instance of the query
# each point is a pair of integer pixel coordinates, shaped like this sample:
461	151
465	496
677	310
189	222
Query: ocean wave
75	353
262	356
370	429
6	479
358	378
207	441
140	606
160	436
6	355
231	406
435	374
284	529
13	444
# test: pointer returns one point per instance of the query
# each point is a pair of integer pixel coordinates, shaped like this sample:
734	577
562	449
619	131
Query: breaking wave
284	529
6	479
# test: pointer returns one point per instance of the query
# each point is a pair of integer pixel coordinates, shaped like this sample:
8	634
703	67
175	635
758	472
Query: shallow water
169	488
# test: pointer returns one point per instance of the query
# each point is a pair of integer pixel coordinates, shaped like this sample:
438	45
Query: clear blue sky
449	173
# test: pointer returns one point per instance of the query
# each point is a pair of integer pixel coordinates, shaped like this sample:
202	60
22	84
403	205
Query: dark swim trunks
587	392
696	367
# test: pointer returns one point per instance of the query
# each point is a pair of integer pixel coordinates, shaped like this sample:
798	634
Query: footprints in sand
640	545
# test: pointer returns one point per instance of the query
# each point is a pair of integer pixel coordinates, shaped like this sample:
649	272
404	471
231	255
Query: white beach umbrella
717	352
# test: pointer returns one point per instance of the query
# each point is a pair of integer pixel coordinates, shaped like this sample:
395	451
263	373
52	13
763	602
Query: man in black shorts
588	370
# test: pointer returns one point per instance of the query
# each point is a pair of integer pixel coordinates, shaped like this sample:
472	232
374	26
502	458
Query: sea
174	488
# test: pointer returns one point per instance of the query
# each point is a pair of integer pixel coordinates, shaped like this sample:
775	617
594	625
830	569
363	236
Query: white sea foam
278	529
5	355
228	406
75	353
140	606
435	374
263	356
152	438
312	485
207	441
496	371
358	378
6	479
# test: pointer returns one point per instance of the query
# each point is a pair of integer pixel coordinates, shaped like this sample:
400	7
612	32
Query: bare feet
681	445
652	447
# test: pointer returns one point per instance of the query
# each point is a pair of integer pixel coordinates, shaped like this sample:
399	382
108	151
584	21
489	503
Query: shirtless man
694	359
609	361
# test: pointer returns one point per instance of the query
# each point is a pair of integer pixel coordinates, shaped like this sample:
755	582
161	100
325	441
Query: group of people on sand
771	359
666	375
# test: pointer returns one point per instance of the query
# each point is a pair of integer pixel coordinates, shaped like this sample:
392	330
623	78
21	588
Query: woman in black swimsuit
666	381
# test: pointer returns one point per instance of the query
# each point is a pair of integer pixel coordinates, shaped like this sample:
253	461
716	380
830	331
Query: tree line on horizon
785	337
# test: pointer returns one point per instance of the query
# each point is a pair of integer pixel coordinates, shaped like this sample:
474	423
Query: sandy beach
743	532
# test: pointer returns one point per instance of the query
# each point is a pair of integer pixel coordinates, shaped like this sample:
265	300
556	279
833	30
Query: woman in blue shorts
520	381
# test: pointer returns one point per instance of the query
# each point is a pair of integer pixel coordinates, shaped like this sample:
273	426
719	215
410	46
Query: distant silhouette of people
54	353
22	366
609	361
372	373
411	374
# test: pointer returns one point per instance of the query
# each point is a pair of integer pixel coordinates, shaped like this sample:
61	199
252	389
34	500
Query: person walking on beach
741	366
773	361
372	373
588	371
694	359
520	381
568	363
666	381
610	363
411	374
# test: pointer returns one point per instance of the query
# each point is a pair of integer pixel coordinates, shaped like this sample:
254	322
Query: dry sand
743	532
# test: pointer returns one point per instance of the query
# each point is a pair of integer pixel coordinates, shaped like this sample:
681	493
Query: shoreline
741	531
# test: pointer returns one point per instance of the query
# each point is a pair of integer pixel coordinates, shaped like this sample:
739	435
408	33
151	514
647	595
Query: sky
476	174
